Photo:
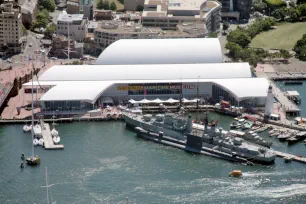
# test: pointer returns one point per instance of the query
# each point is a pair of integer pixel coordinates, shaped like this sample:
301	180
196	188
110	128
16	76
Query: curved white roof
240	88
146	72
162	51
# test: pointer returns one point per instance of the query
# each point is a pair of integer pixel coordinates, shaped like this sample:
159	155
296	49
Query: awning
171	100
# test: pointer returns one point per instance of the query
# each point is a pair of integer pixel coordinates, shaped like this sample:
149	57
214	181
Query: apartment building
80	7
75	24
108	32
60	47
10	28
167	14
234	9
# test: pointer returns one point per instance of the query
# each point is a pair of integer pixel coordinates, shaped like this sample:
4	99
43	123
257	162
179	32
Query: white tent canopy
184	100
171	100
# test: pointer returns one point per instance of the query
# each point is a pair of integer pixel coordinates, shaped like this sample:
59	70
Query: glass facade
218	94
66	106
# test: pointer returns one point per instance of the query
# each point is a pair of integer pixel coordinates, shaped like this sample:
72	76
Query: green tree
240	37
45	12
50	30
259	6
47	4
213	35
106	5
139	8
100	5
24	30
234	50
285	54
280	13
225	26
113	6
300	48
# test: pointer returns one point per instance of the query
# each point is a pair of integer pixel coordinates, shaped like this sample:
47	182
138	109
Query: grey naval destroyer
175	130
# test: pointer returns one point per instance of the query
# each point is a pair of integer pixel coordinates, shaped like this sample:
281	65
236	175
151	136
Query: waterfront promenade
22	99
287	106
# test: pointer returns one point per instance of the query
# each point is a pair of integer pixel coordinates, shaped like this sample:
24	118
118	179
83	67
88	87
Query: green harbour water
103	162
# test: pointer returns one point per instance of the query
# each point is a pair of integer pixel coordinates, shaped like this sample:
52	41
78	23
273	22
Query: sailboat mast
197	112
32	122
47	185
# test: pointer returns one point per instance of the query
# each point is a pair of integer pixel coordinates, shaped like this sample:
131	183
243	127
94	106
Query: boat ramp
46	133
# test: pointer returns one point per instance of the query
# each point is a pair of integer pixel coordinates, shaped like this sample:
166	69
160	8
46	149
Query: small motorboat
27	128
235	173
41	142
234	125
247	125
271	131
33	160
56	139
35	142
54	132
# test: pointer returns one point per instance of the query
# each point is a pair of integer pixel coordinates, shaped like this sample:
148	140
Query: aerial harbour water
105	163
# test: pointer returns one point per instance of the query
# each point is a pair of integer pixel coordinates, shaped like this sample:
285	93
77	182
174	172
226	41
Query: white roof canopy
140	72
162	51
241	88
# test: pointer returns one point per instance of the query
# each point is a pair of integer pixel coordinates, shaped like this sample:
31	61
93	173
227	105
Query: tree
139	8
240	37
100	5
234	50
300	48
113	6
50	30
225	26
280	13
106	5
213	35
285	54
48	4
24	30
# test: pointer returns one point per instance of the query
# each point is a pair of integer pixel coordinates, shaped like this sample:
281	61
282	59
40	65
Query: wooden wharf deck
291	156
46	133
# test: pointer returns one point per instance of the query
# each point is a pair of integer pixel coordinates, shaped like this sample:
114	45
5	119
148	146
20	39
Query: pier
46	133
288	106
290	157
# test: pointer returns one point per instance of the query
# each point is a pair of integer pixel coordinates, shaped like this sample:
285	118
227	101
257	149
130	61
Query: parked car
83	58
53	58
9	60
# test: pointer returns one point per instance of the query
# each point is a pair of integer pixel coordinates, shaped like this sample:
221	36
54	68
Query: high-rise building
10	28
74	24
80	7
234	9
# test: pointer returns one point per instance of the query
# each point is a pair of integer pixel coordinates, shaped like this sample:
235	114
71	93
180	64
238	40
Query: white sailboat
33	160
27	128
56	138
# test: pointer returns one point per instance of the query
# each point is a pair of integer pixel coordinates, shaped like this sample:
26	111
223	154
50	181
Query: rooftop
178	8
70	17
